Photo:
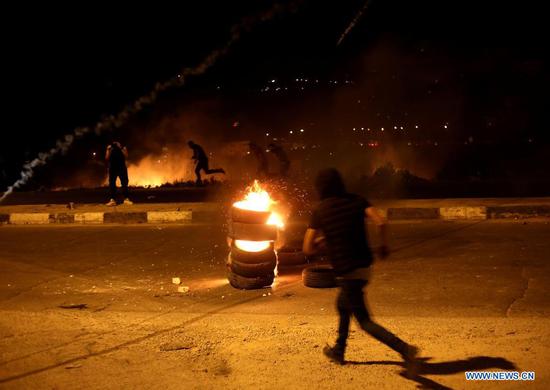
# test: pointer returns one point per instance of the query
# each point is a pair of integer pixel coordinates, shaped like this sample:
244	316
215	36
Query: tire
290	269
290	257
252	231
249	216
319	276
251	270
265	256
244	283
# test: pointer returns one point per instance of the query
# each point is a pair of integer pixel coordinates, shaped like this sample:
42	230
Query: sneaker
334	354
411	361
127	202
111	203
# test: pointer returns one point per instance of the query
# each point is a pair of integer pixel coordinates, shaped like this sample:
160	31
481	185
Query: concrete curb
97	218
393	213
469	212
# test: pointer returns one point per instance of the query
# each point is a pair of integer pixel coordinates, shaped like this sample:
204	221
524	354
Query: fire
258	199
154	171
252	246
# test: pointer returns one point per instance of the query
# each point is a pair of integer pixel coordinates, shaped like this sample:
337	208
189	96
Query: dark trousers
203	166
122	173
351	303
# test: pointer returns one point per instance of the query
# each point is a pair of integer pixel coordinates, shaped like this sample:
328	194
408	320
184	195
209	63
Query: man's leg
344	321
198	172
357	302
112	183
209	171
124	182
336	353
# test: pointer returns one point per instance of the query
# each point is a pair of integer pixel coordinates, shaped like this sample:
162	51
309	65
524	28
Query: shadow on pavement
445	368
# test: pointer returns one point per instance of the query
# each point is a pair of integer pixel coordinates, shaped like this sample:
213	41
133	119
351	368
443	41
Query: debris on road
183	289
79	306
176	280
175	347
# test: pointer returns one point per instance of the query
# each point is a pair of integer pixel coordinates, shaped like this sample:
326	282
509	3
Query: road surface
473	296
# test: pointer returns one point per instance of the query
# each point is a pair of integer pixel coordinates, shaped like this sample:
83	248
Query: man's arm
108	153
309	242
125	152
381	224
314	242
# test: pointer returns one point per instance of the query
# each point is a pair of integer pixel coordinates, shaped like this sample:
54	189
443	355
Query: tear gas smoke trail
354	22
115	121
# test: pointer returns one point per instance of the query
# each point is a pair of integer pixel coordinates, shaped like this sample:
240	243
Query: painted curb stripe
29	218
169	216
454	213
88	218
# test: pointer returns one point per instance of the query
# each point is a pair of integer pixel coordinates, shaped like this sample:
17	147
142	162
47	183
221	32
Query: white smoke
354	22
115	121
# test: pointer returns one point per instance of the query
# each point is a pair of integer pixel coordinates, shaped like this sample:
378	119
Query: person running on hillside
201	161
284	162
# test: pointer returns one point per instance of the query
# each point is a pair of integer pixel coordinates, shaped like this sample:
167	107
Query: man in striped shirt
338	224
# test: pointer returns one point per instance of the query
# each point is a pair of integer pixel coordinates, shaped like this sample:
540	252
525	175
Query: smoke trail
354	22
115	121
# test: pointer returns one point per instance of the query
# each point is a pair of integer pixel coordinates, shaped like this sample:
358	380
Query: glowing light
416	127
301	130
290	132
252	246
257	199
275	220
445	126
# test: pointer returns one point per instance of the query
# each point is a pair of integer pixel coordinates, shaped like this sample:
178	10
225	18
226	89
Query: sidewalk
417	209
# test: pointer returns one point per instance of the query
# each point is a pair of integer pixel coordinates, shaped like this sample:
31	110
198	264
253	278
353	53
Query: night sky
464	73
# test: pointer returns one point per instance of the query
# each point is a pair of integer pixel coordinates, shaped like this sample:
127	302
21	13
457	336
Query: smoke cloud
113	122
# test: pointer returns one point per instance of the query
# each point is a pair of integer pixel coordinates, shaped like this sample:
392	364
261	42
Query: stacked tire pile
251	270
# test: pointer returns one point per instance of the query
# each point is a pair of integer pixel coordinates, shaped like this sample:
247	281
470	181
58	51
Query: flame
258	199
154	171
276	219
252	246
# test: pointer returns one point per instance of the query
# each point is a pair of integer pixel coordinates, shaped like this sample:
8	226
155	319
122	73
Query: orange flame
258	199
252	246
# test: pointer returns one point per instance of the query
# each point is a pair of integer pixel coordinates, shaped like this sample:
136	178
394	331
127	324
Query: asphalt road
473	296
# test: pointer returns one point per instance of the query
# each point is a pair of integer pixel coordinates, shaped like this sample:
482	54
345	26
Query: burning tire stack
252	234
252	259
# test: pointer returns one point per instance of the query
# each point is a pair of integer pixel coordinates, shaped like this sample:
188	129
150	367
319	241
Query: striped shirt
342	221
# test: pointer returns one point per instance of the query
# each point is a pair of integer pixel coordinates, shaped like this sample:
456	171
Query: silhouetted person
338	224
261	159
201	161
116	156
284	162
